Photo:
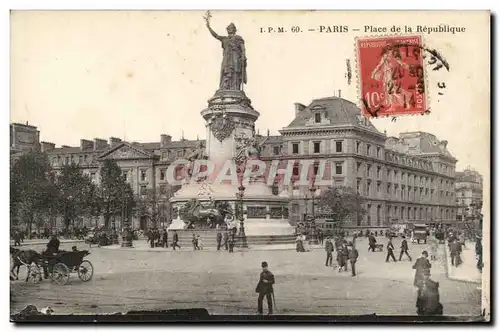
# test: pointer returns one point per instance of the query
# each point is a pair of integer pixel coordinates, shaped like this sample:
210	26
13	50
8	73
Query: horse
24	257
196	212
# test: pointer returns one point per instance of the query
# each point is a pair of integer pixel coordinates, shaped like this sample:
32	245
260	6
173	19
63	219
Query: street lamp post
241	217
127	233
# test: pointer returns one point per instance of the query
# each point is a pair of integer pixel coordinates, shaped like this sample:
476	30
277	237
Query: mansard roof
339	111
418	143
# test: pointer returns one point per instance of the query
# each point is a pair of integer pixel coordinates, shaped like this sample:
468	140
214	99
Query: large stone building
410	178
469	195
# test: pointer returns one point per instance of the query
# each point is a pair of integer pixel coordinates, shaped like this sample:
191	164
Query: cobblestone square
224	283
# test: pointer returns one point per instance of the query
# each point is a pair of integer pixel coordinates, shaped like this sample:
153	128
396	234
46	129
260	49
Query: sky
139	74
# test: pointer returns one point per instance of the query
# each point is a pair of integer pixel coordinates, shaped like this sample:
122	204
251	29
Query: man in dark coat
353	258
175	241
343	256
454	247
226	238
428	298
265	288
372	241
329	251
404	249
230	242
151	239
165	238
390	251
219	240
53	246
423	268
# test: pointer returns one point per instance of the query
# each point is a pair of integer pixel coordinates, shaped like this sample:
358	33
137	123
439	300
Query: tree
341	204
115	192
154	204
75	194
31	190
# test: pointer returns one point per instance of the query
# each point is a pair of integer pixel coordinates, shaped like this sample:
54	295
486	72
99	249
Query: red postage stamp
391	75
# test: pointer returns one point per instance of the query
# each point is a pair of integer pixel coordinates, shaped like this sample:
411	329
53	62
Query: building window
143	190
358	185
317	147
368	148
368	188
295	148
92	176
389	189
295	170
67	160
338	168
368	169
378	152
317	117
180	153
80	159
85	158
125	174
162	174
378	186
388	175
358	166
358	145
378	172
338	146
276	150
143	175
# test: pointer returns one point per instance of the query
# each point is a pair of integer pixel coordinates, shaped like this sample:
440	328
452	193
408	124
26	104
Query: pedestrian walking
422	268
265	288
372	241
353	258
194	241
329	251
199	242
226	238
175	241
428	298
390	251
219	240
454	247
231	243
343	256
404	249
434	242
165	238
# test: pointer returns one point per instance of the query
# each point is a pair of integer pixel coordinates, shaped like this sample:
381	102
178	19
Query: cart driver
52	249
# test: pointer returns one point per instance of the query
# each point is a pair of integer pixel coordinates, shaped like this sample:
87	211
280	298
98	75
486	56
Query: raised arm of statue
212	32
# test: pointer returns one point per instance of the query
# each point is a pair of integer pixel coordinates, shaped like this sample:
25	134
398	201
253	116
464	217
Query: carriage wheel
85	271
60	274
35	274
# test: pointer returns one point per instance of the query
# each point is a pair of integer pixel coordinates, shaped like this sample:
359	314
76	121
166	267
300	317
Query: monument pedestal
231	141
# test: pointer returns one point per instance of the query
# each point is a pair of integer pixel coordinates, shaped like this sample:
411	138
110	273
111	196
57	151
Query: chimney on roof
47	146
114	141
299	108
340	93
268	133
27	123
86	144
100	144
165	140
385	132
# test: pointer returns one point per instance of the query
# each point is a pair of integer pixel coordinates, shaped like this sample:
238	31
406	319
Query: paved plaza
223	283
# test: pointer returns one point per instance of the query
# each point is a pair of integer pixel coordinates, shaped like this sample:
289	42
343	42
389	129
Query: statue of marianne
233	73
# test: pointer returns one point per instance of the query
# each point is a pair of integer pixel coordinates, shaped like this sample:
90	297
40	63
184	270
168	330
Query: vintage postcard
257	165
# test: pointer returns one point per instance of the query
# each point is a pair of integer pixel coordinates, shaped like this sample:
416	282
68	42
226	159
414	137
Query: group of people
226	239
346	252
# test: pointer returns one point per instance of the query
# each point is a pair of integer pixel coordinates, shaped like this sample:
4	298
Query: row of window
316	147
394	175
403	192
72	159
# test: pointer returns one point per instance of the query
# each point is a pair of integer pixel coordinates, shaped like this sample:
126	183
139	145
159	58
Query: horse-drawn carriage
60	266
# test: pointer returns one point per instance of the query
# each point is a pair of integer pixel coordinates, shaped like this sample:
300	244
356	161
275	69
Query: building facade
469	195
404	179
